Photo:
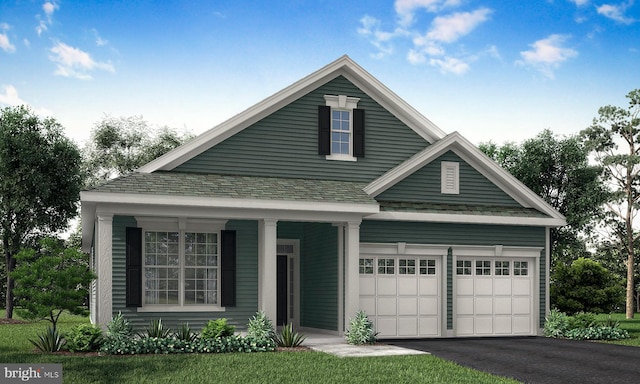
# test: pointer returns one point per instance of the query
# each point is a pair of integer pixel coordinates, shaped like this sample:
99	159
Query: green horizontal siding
246	276
284	144
319	277
424	186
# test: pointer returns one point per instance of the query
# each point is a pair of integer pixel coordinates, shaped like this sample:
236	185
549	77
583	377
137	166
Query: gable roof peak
343	66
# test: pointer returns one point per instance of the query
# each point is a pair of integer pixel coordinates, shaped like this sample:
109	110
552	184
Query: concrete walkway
338	346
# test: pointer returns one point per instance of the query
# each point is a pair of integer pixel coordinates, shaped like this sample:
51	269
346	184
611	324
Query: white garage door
494	296
402	294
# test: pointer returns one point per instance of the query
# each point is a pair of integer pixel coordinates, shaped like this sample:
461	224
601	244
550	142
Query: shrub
610	322
361	330
119	328
260	327
147	345
156	329
597	333
84	338
556	324
288	338
48	341
184	333
217	328
582	320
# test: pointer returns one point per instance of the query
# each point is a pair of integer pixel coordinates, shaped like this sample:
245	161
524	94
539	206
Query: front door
282	290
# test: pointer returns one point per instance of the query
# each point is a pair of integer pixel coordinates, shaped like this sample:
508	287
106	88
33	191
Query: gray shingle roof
238	187
460	209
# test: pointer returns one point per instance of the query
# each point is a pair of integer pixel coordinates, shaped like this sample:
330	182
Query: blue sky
492	70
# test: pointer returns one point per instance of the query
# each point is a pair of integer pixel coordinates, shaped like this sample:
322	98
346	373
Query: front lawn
632	326
265	367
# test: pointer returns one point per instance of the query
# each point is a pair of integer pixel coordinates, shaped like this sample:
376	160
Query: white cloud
547	54
10	96
99	40
616	12
382	40
579	3
5	44
73	62
450	65
448	29
405	9
49	7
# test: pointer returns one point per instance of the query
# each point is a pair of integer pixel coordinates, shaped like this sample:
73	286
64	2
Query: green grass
631	325
270	367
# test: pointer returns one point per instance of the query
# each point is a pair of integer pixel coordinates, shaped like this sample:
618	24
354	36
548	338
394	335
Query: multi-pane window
200	268
366	266
340	132
463	267
483	267
520	268
502	268
407	266
180	268
427	267
386	266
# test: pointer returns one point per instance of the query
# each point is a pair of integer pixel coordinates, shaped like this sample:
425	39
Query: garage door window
483	268
520	268
386	267
463	267
428	267
407	267
502	268
366	266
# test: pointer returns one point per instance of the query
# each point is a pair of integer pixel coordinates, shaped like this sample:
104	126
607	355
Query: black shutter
228	278
133	254
324	130
358	132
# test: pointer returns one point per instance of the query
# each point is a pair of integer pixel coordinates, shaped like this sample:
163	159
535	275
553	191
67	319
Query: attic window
450	178
341	128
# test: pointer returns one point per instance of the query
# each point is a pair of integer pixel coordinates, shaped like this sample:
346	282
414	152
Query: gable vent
450	178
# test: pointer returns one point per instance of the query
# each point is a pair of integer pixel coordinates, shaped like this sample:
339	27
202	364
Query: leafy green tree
614	137
51	280
558	169
585	286
120	145
40	182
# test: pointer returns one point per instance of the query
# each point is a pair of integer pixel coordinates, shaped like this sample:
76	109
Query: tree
558	170
51	280
120	145
585	286
615	138
40	182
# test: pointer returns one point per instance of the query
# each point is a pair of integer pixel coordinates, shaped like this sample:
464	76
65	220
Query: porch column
103	249
267	267
351	274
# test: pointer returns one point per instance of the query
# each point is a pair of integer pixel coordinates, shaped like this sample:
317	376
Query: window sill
179	308
341	157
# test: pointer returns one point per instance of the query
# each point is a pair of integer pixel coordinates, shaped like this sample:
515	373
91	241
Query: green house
331	196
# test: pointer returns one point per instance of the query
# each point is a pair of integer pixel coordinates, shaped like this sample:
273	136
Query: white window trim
181	225
343	103
445	168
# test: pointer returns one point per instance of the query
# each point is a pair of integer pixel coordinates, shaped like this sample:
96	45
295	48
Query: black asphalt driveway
538	359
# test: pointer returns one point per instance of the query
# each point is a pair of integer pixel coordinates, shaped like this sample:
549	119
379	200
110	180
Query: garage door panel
408	306
483	325
502	286
386	306
429	306
522	306
408	326
428	326
522	325
368	305
387	286
483	286
502	306
502	325
464	325
484	305
367	286
387	326
407	286
521	286
465	286
428	286
464	306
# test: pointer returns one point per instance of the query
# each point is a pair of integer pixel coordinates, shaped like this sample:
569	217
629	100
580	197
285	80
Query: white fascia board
210	202
343	66
475	158
467	219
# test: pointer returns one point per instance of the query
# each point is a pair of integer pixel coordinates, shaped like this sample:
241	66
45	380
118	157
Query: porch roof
238	187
